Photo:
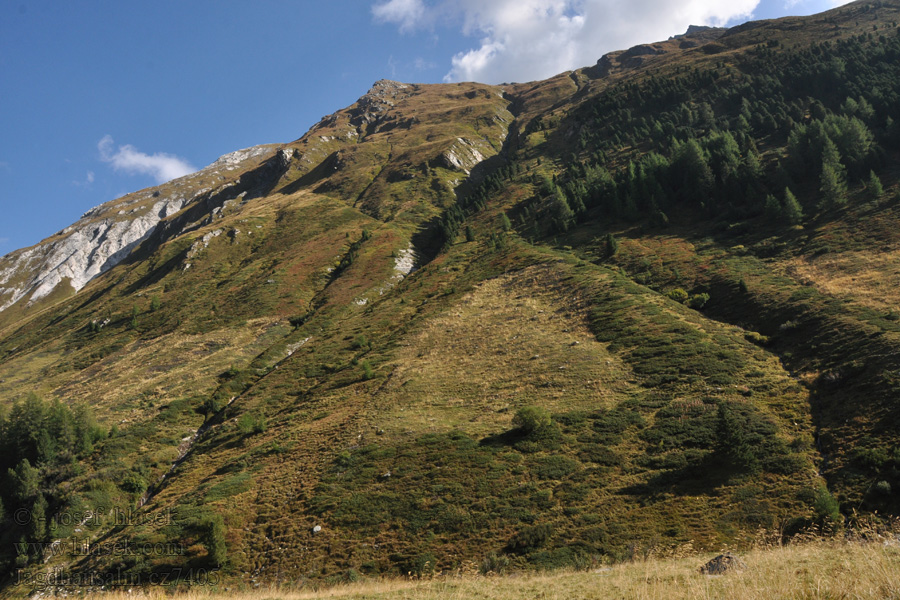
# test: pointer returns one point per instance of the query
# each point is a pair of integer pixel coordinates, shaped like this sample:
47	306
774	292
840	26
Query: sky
101	98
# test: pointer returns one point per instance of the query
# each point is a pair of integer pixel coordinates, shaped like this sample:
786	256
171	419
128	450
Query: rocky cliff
106	234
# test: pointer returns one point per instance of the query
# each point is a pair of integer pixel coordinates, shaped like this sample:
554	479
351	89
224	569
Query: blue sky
100	98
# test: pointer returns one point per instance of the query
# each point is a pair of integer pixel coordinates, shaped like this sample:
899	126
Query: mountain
646	303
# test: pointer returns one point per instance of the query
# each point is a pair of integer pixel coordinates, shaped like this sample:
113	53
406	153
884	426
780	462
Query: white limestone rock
108	233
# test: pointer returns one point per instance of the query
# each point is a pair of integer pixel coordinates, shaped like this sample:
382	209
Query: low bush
531	538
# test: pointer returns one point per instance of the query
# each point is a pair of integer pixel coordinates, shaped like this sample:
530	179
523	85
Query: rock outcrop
107	234
724	563
464	154
372	107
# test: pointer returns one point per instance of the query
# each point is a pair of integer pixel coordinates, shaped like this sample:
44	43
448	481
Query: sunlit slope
538	325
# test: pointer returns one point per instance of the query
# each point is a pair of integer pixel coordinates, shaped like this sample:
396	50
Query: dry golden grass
517	339
168	367
870	279
821	569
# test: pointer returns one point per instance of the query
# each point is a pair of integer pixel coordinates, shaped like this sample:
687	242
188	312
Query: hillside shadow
699	479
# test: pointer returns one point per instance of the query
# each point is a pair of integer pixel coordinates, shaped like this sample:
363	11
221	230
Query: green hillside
650	303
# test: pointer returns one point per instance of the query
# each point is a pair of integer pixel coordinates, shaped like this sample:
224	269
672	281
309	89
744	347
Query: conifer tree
833	181
562	213
612	245
832	187
791	208
874	187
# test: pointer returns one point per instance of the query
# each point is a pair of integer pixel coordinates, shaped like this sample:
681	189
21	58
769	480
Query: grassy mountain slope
620	335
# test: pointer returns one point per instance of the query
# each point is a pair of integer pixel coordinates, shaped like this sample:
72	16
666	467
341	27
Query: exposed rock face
106	234
85	249
463	155
378	101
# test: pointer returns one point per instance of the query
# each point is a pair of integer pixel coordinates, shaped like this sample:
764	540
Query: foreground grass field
820	569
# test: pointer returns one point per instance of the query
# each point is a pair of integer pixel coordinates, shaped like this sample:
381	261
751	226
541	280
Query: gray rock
105	235
724	563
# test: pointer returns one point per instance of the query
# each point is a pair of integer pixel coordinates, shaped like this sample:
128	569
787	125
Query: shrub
874	459
492	563
538	429
698	301
251	423
826	507
213	539
554	467
133	484
530	419
368	373
420	565
732	443
600	454
756	338
678	295
531	537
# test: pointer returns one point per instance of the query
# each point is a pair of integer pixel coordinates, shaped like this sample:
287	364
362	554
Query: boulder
724	563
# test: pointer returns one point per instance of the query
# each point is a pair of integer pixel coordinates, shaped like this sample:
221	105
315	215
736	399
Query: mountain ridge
534	325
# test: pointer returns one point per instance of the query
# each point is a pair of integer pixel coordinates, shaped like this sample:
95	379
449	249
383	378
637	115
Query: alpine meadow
646	310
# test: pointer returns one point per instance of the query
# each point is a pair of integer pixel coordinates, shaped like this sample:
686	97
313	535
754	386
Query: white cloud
406	13
162	167
523	40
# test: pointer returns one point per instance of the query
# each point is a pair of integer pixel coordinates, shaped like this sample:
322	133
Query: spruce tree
833	180
791	208
612	245
874	187
832	186
37	525
562	214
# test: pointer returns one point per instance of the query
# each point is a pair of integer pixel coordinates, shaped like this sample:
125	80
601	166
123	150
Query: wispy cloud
161	166
408	14
88	180
420	64
523	40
